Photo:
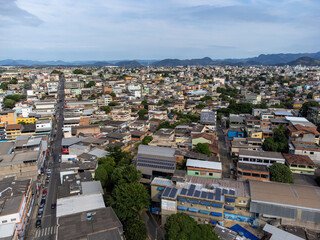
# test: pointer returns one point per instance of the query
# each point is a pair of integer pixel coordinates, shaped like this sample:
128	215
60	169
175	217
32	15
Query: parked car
49	171
38	223
44	197
47	180
53	206
40	214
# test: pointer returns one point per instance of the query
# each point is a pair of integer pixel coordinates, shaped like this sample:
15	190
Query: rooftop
285	194
204	164
298	159
261	154
77	226
80	203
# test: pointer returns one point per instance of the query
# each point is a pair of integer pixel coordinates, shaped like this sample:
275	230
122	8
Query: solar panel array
155	163
170	192
193	192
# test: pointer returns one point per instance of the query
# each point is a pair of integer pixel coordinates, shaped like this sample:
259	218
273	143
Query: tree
13	81
112	94
304	109
101	175
280	173
203	231
146	140
279	141
129	199
142	112
135	229
310	95
126	174
79	71
106	109
181	226
201	105
90	84
112	104
120	157
203	148
9	103
55	72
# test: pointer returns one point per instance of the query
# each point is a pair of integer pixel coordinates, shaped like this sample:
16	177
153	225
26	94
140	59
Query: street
225	157
48	220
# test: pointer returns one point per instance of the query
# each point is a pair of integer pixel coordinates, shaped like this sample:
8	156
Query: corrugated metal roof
204	164
77	204
156	151
278	234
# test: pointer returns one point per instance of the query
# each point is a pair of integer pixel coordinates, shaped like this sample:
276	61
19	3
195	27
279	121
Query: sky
156	29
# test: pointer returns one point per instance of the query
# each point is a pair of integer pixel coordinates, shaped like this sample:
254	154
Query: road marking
55	228
37	233
51	230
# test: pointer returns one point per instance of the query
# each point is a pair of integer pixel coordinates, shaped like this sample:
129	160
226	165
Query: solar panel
183	191
197	193
203	194
232	192
166	192
191	190
225	191
210	196
218	191
173	193
218	197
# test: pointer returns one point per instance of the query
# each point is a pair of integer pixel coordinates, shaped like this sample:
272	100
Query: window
197	173
311	153
210	174
13	219
4	221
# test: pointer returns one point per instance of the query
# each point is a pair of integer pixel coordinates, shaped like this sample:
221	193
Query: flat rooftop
77	226
285	194
261	154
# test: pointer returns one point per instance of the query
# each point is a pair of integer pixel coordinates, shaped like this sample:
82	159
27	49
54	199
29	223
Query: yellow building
27	120
8	117
13	131
256	134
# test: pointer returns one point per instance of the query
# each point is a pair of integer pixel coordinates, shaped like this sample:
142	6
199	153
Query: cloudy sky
156	29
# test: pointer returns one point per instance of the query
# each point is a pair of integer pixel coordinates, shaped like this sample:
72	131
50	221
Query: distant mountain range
309	59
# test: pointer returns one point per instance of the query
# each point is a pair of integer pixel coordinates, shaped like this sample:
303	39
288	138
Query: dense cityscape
180	152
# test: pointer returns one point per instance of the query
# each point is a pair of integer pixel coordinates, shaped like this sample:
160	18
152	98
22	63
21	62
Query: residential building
300	164
155	161
15	203
252	171
204	168
260	157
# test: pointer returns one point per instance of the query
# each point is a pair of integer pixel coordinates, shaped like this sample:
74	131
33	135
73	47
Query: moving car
53	206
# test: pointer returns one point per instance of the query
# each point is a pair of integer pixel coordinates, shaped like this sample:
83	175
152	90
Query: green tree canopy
101	175
304	109
112	94
203	148
79	71
142	112
146	140
9	103
112	104
90	84
126	174
280	173
279	141
135	229
181	226
129	199
106	109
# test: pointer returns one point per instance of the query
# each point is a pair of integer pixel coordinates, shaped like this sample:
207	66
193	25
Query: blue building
235	133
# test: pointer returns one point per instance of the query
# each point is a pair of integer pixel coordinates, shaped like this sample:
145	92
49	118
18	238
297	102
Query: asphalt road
224	152
48	220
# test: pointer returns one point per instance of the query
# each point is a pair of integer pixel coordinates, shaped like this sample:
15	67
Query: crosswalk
42	232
